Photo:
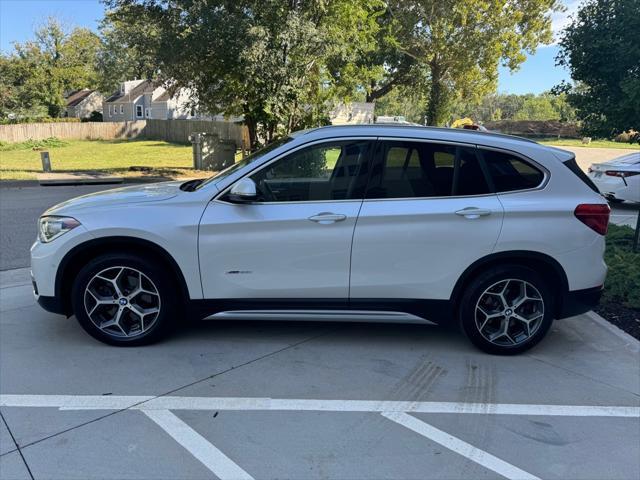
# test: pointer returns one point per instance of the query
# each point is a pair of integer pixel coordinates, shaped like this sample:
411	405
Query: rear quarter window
510	173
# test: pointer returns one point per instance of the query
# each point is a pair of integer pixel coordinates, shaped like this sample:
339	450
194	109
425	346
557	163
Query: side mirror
243	191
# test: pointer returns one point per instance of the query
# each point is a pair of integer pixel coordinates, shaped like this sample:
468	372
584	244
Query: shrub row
30	144
623	280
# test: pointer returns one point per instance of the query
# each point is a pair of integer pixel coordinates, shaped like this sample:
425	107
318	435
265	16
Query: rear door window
421	170
510	173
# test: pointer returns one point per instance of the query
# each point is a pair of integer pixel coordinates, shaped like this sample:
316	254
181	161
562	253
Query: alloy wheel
122	301
509	312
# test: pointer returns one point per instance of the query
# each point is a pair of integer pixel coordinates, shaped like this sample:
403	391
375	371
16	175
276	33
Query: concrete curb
125	181
77	179
632	342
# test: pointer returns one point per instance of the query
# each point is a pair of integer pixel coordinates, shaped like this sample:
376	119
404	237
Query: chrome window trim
519	155
224	191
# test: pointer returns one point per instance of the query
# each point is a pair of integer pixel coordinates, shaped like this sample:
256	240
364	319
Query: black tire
167	300
496	278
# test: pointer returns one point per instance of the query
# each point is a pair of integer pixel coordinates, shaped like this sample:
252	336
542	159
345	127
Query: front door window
328	171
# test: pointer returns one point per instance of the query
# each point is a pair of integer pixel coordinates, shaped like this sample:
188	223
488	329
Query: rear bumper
579	301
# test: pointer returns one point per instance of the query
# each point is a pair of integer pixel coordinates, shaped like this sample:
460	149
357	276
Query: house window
147	112
109	110
139	111
121	109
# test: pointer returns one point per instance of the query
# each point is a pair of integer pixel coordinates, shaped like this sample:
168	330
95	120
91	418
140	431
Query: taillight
619	173
594	216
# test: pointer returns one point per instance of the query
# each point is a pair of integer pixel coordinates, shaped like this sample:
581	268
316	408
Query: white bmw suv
495	234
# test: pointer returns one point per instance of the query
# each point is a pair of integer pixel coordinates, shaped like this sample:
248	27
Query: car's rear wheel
122	299
507	310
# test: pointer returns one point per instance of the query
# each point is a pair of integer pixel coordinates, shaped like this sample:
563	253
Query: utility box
46	162
212	153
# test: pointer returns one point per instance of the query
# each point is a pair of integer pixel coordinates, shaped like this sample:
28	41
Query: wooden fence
168	130
180	130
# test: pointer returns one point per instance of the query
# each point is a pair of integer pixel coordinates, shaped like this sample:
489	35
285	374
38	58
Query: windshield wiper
191	185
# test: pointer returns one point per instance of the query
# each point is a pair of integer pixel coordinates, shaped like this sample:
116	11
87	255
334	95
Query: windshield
246	161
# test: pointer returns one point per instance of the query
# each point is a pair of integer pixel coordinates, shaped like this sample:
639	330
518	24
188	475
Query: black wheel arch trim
523	257
108	245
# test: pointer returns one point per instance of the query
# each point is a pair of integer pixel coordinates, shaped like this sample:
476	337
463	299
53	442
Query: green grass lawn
574	142
22	162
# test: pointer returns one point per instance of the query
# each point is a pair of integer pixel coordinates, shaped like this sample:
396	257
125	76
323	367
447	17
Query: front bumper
52	304
579	301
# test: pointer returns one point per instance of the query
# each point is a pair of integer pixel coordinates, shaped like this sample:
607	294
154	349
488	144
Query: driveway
312	400
585	156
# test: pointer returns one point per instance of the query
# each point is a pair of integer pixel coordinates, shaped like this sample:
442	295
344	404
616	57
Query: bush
94	117
628	137
51	142
623	280
14	121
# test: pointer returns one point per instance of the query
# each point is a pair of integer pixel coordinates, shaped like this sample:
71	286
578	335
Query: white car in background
619	179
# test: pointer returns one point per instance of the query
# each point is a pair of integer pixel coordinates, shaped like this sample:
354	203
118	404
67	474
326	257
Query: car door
428	214
294	241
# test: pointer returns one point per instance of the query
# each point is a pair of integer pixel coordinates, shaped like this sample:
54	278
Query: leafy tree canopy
127	52
38	72
276	62
601	48
458	45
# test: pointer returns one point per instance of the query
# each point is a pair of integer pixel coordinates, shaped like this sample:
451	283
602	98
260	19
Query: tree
458	45
537	108
402	101
601	49
277	62
127	52
38	72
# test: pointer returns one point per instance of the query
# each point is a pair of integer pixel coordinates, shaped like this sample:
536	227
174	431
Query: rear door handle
473	212
326	218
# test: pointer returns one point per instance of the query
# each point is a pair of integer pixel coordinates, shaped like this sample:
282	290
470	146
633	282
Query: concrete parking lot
312	400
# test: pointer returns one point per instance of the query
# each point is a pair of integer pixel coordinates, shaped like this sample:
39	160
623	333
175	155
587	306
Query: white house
143	99
352	113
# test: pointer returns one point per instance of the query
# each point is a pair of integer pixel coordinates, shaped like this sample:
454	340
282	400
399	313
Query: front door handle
325	218
473	212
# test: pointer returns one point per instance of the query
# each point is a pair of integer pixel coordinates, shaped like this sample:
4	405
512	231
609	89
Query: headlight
50	228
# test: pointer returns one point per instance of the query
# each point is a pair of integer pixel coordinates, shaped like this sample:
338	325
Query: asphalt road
21	207
243	400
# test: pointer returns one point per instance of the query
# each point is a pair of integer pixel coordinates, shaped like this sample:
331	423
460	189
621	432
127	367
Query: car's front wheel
506	310
124	299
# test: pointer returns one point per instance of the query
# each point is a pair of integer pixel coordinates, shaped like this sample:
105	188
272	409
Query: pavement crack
18	449
190	384
537	359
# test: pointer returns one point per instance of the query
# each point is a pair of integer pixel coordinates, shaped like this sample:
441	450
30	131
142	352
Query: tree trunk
252	126
437	106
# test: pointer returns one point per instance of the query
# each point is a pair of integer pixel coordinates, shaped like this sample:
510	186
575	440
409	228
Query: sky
19	18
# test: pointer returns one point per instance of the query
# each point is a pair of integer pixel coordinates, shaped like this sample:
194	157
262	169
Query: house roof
132	94
75	98
163	97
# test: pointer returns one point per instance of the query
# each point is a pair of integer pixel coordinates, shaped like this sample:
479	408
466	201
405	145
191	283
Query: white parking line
114	402
212	458
459	446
